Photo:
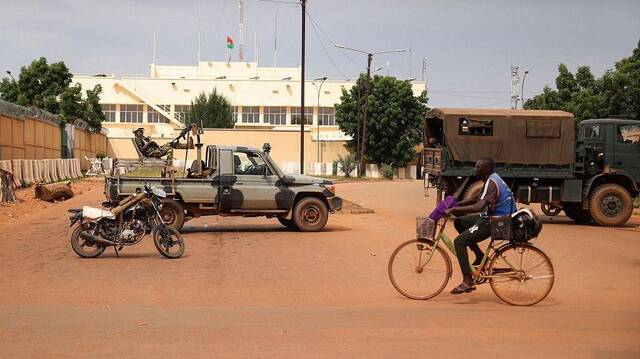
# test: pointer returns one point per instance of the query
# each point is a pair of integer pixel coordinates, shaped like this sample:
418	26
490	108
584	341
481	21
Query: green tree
394	119
615	94
48	86
213	109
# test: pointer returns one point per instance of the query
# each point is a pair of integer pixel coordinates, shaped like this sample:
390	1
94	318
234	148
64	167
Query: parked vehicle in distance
593	177
237	181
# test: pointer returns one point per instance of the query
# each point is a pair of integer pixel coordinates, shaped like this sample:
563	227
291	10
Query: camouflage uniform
156	151
165	150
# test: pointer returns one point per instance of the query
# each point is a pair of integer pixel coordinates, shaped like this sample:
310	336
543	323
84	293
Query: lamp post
366	96
522	88
318	89
9	73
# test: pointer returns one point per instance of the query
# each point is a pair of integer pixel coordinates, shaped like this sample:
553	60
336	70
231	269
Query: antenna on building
255	46
154	47
241	47
198	46
515	81
424	72
198	25
275	43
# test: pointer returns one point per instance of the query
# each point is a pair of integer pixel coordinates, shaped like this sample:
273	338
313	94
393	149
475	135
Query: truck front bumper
335	203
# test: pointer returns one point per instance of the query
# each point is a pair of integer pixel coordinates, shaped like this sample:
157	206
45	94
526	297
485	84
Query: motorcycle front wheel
83	248
168	241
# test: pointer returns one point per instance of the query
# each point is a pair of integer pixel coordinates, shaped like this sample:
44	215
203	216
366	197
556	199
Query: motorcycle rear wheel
168	241
81	247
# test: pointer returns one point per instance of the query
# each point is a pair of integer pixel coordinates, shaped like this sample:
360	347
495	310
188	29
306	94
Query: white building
262	97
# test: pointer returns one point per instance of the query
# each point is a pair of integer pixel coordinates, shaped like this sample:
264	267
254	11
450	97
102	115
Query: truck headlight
331	188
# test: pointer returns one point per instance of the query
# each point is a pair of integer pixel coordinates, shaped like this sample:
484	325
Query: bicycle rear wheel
418	269
521	274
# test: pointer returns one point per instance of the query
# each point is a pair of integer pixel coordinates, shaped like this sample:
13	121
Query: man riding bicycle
496	199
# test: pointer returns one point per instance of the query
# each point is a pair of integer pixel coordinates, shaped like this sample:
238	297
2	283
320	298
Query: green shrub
386	171
334	168
346	164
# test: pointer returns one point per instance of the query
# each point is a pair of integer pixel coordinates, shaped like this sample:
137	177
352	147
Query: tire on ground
473	189
310	214
610	205
287	223
576	212
172	213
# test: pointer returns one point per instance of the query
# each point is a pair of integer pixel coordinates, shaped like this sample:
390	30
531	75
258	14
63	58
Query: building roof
496	112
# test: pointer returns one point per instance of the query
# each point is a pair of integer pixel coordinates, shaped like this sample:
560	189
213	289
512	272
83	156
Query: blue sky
469	45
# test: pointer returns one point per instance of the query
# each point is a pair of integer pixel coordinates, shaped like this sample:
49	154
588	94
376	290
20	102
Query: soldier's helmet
139	131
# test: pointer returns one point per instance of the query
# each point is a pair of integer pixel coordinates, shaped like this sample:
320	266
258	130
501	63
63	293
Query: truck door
255	181
627	149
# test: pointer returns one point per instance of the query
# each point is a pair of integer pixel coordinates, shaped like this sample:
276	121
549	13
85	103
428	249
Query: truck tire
610	205
576	213
287	223
473	189
172	213
310	214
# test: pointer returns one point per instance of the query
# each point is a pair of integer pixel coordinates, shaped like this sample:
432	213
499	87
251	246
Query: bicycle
519	273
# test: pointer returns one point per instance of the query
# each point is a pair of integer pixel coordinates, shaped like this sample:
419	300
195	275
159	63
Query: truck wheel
310	214
610	205
172	214
576	213
287	223
473	190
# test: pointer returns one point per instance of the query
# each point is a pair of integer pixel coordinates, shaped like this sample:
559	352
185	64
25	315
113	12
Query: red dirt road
250	288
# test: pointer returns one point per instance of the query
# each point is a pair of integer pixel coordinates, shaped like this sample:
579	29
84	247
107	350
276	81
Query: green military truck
237	181
594	177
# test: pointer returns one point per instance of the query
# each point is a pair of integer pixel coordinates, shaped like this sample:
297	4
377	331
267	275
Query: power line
313	21
324	48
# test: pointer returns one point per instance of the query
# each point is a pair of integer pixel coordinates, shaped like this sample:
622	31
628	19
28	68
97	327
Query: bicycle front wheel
419	269
521	274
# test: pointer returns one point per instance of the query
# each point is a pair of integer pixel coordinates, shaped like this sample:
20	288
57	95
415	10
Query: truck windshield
590	132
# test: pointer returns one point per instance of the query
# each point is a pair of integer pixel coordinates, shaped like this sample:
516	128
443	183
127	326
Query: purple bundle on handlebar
438	212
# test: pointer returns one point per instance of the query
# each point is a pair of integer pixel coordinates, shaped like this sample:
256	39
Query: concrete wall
27	138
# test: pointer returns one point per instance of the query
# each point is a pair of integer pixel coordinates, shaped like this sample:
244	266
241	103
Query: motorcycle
124	225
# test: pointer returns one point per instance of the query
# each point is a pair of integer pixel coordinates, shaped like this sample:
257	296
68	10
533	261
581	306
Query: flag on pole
229	43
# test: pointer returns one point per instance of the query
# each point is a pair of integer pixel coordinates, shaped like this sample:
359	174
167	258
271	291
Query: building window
181	112
131	113
275	115
250	114
154	116
109	111
295	115
327	116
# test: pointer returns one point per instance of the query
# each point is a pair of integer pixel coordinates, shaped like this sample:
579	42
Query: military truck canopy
507	136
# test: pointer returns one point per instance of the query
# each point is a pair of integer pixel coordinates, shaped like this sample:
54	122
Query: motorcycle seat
96	213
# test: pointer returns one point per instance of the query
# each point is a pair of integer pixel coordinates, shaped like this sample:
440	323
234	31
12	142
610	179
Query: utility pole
515	81
361	170
303	4
241	47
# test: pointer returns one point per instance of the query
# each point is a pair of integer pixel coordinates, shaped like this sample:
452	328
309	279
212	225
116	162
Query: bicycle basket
425	228
500	227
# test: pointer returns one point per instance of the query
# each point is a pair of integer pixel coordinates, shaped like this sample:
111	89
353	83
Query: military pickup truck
239	181
593	177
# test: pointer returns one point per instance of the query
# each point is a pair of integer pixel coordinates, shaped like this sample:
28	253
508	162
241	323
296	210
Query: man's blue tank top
505	204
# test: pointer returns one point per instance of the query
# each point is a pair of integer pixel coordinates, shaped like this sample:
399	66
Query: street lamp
9	73
522	89
366	94
318	89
